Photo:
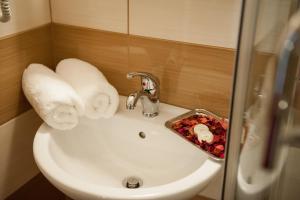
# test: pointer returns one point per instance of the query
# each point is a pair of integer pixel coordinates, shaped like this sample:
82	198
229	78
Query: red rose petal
185	128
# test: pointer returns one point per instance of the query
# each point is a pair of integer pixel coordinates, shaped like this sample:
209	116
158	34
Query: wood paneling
16	53
192	76
108	51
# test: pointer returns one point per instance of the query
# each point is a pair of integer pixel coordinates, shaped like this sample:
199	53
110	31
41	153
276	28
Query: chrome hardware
149	95
5	17
132	182
142	135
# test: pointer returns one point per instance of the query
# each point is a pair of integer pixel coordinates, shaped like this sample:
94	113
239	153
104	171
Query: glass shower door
263	155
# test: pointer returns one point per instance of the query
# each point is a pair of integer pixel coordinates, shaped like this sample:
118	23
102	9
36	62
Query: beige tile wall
99	14
213	22
26	14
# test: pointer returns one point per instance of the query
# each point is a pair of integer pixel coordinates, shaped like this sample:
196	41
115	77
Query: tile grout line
128	16
51	34
50	8
128	34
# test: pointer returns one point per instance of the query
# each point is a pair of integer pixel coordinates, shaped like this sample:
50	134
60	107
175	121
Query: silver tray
169	123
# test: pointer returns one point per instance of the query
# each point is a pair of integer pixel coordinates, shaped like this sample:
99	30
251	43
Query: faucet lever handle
149	82
131	75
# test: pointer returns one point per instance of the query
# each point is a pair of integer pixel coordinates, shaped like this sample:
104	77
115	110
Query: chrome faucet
149	94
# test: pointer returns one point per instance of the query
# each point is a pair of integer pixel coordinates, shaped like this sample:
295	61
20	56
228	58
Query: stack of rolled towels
76	89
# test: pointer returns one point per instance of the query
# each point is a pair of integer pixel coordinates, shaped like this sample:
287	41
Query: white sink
92	160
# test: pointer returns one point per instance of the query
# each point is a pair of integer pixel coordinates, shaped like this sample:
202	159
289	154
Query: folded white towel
100	98
55	101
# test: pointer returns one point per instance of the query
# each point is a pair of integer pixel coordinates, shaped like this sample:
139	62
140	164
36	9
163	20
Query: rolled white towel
100	98
55	101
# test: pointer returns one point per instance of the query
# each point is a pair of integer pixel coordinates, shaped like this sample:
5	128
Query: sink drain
132	182
142	135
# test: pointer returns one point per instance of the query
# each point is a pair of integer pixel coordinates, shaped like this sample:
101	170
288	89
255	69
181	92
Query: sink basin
93	160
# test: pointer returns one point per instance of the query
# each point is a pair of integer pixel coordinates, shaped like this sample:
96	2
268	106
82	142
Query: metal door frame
249	13
247	30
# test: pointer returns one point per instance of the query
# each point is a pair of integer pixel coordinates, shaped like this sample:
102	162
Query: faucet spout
132	100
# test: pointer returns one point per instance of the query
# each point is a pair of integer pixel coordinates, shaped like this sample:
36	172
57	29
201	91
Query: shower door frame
247	30
249	13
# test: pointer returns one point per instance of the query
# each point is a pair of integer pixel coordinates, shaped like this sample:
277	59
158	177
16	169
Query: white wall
207	22
16	157
26	14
